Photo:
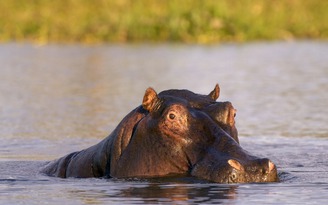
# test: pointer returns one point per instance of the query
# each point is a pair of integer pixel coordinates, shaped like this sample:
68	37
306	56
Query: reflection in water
180	193
150	193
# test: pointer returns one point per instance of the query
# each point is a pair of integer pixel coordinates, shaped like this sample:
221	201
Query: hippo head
223	113
181	135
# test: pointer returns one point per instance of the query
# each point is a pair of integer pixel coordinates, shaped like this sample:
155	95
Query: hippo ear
150	99
215	93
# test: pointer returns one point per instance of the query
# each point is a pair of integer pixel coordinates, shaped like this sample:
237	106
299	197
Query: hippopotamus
173	133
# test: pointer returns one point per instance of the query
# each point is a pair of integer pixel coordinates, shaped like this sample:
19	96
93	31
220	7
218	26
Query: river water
56	99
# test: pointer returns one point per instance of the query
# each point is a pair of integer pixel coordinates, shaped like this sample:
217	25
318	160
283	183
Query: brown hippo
174	133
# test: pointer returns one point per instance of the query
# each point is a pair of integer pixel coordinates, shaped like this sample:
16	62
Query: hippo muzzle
231	171
224	160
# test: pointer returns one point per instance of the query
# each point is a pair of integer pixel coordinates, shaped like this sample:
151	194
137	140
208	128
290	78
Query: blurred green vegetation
192	21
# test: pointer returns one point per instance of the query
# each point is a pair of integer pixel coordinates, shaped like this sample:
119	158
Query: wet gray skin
167	136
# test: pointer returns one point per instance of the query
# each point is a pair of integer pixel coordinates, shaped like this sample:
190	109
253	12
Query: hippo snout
258	170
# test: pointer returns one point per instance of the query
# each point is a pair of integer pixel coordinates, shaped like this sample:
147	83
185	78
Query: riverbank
190	21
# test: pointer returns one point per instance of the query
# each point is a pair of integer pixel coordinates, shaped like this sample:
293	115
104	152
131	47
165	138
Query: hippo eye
171	116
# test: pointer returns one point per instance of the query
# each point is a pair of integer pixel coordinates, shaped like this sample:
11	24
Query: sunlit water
57	99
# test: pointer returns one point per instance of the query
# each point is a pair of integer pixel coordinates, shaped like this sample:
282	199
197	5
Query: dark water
57	99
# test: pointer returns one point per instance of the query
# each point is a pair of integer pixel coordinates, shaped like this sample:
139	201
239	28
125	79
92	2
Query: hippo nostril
271	166
235	164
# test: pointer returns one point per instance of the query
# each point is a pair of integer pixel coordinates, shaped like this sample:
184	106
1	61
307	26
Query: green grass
192	21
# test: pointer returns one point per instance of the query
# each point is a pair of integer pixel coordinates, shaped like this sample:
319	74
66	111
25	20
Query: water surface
57	99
